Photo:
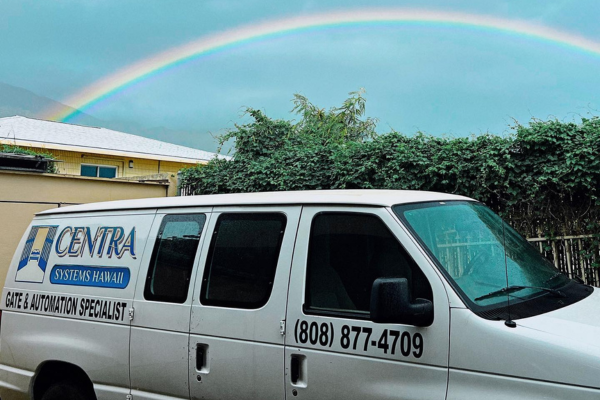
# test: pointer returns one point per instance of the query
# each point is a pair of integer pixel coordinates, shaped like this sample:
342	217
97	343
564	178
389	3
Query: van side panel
98	348
67	297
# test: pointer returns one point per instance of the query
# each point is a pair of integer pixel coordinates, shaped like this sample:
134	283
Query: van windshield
480	253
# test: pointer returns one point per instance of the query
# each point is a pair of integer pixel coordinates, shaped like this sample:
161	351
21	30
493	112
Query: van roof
381	198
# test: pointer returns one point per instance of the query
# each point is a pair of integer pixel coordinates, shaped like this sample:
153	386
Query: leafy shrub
543	178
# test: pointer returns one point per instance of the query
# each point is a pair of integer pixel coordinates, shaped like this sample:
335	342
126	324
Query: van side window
242	260
347	252
173	258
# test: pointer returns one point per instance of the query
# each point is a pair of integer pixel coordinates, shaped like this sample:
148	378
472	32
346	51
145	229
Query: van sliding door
236	336
163	297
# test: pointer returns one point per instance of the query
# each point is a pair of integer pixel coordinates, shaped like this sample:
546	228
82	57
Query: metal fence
576	256
187	190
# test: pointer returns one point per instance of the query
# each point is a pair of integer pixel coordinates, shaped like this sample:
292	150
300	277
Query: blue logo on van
82	275
34	259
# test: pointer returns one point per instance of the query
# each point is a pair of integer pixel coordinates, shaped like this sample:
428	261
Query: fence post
568	244
555	255
581	262
597	282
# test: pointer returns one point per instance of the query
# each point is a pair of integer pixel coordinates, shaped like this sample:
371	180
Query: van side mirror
391	303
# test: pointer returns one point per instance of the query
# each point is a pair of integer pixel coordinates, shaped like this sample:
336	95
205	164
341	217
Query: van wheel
65	391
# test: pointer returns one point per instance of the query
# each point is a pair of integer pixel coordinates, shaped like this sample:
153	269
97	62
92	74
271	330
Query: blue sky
443	81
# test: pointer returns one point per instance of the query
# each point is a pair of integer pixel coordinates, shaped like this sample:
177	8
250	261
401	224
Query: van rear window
173	257
242	260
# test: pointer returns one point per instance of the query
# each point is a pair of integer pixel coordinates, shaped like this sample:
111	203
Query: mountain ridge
15	101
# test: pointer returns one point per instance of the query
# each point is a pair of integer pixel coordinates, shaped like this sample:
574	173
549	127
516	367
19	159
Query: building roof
379	198
30	132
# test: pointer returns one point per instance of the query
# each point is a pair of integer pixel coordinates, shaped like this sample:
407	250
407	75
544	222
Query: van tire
65	391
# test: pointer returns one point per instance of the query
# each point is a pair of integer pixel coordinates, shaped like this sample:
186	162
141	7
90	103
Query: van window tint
242	260
347	252
173	258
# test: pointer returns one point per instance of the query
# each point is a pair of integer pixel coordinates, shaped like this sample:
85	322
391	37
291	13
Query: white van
310	295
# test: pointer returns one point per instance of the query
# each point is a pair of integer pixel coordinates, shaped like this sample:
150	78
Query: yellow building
94	164
100	152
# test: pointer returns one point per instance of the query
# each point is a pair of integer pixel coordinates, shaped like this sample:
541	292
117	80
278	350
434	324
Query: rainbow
105	88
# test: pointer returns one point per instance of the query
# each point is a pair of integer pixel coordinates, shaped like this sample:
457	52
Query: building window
98	171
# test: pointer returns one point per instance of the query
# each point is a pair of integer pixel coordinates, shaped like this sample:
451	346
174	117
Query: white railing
571	255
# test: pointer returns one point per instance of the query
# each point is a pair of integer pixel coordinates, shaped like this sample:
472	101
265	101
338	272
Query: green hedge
544	177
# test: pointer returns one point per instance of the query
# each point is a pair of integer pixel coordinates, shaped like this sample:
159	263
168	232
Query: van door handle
201	353
295	373
298	372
